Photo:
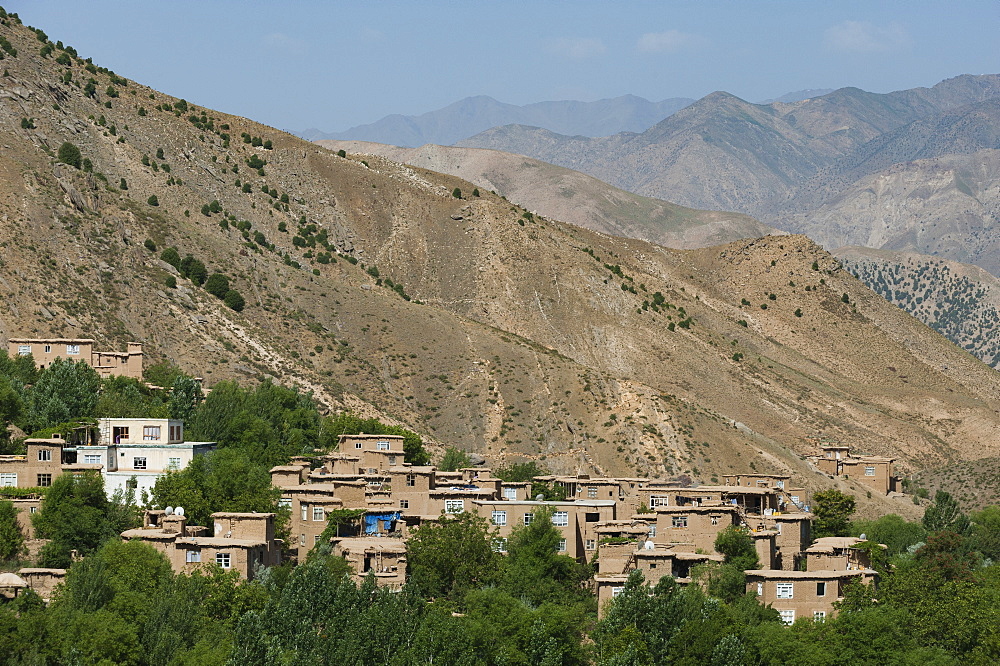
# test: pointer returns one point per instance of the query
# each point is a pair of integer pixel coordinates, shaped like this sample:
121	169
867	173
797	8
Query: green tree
234	300
985	531
892	530
70	154
11	536
451	556
217	285
152	200
194	270
172	257
833	510
73	515
65	390
346	423
945	514
519	472
457	193
454	459
185	396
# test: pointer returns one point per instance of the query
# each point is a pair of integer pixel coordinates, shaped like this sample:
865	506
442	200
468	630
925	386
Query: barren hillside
470	320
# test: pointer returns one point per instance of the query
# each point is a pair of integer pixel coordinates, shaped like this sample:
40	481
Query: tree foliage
833	510
11	536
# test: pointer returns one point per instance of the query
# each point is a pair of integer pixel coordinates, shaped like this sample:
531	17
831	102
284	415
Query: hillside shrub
171	282
150	245
457	193
217	285
70	154
152	200
172	257
234	300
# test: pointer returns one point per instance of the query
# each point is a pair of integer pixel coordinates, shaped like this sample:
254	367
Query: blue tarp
372	519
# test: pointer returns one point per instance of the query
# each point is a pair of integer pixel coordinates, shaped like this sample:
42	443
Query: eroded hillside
470	320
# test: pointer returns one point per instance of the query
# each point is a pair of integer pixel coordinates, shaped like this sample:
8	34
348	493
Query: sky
331	65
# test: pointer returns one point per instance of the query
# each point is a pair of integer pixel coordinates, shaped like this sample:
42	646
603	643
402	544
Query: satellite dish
179	511
649	545
539	497
864	537
169	511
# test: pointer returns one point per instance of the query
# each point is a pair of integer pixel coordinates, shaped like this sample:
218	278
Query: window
787	616
175	433
510	494
392	460
562	546
91	459
404	504
819	616
316	539
305	511
454	506
411	480
8	479
44	480
869	470
357	445
500	518
319	513
223	560
72	350
679	521
285	503
777	526
33	509
591	492
560	518
528	517
785	590
48	349
139	463
760	588
173	463
592	517
821	589
500	545
658	501
193	556
302	539
45	455
615	591
382	446
151	433
652	531
715	520
23	350
590	544
780	484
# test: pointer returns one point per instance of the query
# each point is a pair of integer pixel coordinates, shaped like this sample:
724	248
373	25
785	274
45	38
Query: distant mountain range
908	170
473	115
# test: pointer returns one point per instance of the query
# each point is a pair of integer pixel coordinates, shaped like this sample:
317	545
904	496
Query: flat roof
390	544
807	575
563	503
234	514
90	340
219	542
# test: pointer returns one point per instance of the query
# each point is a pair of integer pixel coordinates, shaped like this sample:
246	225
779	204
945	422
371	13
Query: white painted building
141	450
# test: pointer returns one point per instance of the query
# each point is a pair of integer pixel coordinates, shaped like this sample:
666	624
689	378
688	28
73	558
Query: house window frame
787	616
224	559
404	504
510	494
192	556
72	350
784	590
819	616
450	506
24	350
560	518
592	492
382	445
411	480
92	459
869	470
8	479
528	517
45	455
318	513
304	511
173	463
821	588
499	518
561	546
136	464
679	522
151	433
44	480
590	544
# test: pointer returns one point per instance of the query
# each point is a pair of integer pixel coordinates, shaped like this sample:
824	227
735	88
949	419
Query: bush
194	270
206	210
153	201
70	154
172	257
845	298
150	245
341	153
234	300
171	282
217	285
123	184
457	193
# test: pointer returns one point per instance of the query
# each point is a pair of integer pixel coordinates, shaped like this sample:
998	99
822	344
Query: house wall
40	465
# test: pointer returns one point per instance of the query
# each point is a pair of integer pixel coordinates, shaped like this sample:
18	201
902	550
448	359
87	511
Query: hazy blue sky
331	65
